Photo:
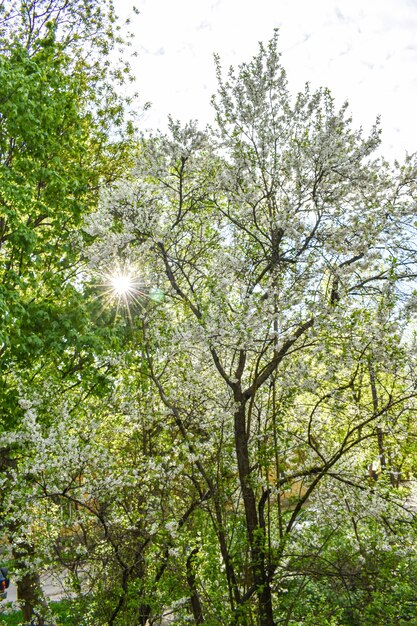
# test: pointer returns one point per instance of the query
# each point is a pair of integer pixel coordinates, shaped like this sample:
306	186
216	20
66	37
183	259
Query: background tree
63	133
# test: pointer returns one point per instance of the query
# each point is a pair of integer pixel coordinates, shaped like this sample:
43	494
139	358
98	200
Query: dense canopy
207	350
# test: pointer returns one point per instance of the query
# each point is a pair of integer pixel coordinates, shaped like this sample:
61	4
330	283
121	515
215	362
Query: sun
122	284
123	287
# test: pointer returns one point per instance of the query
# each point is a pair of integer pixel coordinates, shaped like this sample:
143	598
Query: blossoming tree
284	251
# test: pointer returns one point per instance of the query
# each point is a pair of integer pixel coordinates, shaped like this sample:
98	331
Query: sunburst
123	286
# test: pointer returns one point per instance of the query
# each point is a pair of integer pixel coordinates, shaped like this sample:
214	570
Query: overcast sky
365	51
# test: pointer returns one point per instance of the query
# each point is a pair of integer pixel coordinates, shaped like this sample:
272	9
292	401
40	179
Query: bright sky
365	51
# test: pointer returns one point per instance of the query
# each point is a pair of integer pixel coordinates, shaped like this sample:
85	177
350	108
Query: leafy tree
284	252
63	133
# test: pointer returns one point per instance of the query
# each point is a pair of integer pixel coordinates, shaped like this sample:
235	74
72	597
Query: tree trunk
30	596
194	597
254	532
29	589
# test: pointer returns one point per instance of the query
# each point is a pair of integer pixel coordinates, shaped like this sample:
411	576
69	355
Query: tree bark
29	588
254	531
194	597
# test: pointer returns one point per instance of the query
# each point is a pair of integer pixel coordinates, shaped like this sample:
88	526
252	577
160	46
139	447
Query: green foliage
65	613
336	580
227	442
63	134
55	151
